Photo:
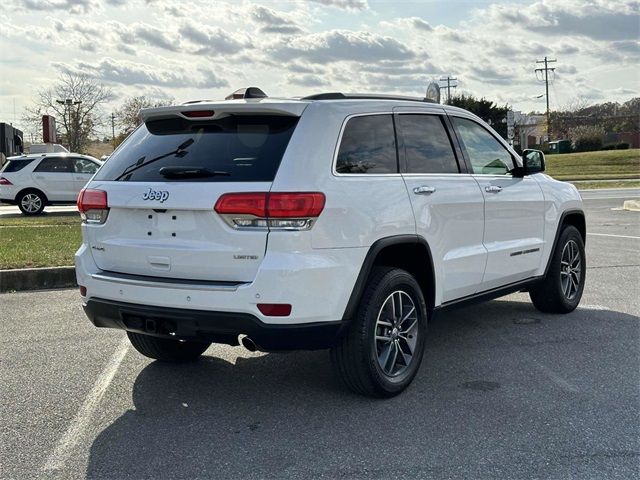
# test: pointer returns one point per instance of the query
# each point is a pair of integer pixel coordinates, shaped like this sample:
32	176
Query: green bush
586	138
611	146
622	146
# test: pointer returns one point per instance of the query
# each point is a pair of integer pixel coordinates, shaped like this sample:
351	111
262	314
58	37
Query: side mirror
532	162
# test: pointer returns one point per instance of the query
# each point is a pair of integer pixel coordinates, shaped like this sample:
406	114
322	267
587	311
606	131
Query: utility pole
449	85
546	71
113	130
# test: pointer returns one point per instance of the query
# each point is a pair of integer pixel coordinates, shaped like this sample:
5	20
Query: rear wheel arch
32	189
408	252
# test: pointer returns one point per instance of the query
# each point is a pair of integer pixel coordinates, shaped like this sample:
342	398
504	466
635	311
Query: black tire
31	202
165	349
550	295
356	356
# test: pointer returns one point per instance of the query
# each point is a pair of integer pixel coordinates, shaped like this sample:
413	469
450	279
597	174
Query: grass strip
26	247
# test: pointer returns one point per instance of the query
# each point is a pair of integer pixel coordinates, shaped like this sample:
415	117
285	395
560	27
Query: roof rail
364	96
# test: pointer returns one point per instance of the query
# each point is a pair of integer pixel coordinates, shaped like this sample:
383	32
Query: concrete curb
631	205
37	278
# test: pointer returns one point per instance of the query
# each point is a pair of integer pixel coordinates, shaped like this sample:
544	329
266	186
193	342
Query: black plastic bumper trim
216	327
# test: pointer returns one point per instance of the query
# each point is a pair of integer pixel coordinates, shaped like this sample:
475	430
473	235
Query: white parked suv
330	221
37	180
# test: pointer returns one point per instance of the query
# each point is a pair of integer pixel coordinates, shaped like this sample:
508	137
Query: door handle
424	190
493	189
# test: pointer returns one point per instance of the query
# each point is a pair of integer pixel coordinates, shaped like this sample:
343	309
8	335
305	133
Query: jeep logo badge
161	195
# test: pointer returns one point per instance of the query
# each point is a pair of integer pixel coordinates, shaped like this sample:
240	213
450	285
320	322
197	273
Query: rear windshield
231	149
16	165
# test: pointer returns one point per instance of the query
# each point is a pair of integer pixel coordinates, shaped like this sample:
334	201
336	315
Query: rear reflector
272	205
83	291
4	181
198	113
275	309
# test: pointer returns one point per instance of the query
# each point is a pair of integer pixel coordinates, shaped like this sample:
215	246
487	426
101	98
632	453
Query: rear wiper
190	172
178	152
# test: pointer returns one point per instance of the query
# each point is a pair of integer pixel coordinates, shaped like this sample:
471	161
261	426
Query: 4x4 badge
152	194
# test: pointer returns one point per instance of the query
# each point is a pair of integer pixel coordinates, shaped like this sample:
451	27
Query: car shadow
477	395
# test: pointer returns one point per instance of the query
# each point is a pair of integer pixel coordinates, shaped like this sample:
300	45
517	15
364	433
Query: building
11	142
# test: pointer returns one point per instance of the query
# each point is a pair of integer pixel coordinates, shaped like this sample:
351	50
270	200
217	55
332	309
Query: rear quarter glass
246	148
15	165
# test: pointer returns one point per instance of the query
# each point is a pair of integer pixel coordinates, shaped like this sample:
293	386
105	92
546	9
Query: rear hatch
163	182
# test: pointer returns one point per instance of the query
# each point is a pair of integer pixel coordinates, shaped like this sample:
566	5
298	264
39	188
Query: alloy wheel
31	202
396	334
570	270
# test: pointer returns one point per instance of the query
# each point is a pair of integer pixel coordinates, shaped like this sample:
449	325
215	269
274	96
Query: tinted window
84	166
231	149
55	165
487	155
16	165
426	144
368	146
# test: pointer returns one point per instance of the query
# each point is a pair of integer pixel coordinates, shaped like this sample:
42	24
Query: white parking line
593	307
612	235
59	456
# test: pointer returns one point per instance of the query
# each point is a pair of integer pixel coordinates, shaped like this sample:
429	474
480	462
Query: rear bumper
217	327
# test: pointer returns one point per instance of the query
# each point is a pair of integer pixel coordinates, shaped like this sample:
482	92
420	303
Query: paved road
504	392
14	211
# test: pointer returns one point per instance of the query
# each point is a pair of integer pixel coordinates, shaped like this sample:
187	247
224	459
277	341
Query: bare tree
75	101
127	114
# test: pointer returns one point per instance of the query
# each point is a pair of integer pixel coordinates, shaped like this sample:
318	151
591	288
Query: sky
207	49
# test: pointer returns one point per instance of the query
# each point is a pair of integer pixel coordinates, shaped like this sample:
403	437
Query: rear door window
368	146
427	146
16	165
235	148
55	165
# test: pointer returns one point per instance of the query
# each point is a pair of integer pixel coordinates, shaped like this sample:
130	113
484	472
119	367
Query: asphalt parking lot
504	392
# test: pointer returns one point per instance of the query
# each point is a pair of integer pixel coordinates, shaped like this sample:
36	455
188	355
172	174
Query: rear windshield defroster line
246	148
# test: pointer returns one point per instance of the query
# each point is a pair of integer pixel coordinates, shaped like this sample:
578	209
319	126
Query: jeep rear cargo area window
368	146
235	148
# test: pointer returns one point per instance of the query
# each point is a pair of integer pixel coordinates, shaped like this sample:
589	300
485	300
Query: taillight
92	205
269	210
4	181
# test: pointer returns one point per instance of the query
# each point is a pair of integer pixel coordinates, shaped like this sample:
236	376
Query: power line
449	86
546	71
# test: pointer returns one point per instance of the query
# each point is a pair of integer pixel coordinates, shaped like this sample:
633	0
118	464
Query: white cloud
342	45
131	73
344	4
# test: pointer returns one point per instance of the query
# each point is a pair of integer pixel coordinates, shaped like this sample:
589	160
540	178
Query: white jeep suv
331	221
37	180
